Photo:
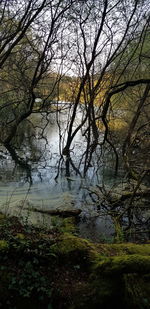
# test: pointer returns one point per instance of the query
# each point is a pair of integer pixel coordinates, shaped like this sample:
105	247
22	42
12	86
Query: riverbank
56	269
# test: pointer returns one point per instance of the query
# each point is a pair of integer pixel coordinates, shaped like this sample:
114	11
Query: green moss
3	244
72	247
130	248
123	249
119	238
83	274
124	264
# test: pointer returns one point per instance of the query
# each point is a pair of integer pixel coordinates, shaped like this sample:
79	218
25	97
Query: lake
46	186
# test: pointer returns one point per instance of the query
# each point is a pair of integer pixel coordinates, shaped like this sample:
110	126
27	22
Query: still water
47	187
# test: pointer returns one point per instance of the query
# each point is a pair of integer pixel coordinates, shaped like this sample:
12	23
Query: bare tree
103	32
30	33
96	41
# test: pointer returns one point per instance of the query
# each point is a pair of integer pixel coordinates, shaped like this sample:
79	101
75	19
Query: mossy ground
51	269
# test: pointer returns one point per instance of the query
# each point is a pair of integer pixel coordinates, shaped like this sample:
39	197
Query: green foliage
30	280
42	269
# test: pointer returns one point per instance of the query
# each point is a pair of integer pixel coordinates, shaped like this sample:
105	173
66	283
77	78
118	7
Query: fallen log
58	212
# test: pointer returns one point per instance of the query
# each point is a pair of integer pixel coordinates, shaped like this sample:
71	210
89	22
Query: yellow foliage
100	125
117	124
113	124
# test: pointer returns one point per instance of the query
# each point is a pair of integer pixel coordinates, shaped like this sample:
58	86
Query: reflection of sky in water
44	188
45	191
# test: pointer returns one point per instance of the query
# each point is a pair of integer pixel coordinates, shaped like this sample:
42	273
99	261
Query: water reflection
45	193
45	184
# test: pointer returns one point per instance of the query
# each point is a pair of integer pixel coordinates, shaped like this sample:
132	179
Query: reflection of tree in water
128	206
127	209
27	146
108	78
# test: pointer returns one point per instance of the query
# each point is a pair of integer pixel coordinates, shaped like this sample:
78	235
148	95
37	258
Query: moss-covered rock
49	268
124	264
75	249
123	249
